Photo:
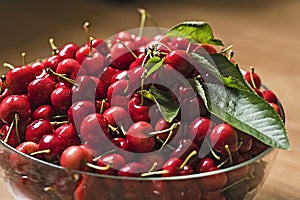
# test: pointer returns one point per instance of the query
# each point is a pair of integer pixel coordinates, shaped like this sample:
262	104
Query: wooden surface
265	34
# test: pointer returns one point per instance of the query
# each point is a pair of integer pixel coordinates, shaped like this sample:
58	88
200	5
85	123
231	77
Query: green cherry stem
61	76
17	120
98	167
188	158
143	13
229	153
251	77
53	46
9	131
45	151
9	66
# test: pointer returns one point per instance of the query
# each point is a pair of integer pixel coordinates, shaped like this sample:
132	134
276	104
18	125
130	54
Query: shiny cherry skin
68	51
117	116
76	157
61	99
224	135
69	67
15	104
37	129
256	78
100	45
199	128
67	134
137	111
52	62
42	112
18	79
132	169
120	56
107	75
39	90
113	161
12	139
53	144
270	96
137	137
37	67
79	110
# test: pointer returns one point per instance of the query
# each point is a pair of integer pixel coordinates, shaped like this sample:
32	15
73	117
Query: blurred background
265	34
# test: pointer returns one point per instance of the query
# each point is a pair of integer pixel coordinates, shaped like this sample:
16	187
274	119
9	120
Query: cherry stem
53	46
174	126
55	123
133	54
23	54
114	129
251	77
9	66
86	26
223	163
102	106
17	120
188	158
229	153
154	173
212	151
143	13
98	167
153	167
227	49
163	142
108	152
45	151
235	183
9	132
91	46
61	76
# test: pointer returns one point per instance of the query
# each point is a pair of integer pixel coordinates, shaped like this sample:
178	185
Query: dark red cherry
42	112
68	67
138	110
253	78
61	99
67	134
51	145
270	96
122	54
100	45
52	62
68	51
138	139
37	67
132	169
37	129
111	163
79	110
199	128
117	116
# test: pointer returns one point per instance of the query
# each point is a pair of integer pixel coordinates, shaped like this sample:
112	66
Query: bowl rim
171	178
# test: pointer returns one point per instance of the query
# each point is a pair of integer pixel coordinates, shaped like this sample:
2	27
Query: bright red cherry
52	146
269	96
42	112
111	163
37	129
68	51
253	78
67	134
138	139
199	128
61	99
137	110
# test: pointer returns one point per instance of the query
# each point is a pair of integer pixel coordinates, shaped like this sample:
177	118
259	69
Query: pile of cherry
86	108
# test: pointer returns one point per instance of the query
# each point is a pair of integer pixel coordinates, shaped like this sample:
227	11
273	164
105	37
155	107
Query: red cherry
68	51
277	109
91	61
76	157
85	89
205	49
37	129
181	61
123	36
107	75
39	90
122	54
245	140
51	143
18	79
269	96
100	45
132	169
42	112
153	160
171	167
111	163
94	131
117	116
68	135
117	91
137	137
180	43
253	78
137	110
224	139
68	67
9	136
213	182
199	128
15	104
52	62
79	110
123	148
37	67
61	99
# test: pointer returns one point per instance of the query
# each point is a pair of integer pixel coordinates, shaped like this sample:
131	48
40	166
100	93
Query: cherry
110	164
61	99
18	79
68	67
277	109
192	108
138	139
94	131
180	43
118	94
12	105
138	110
212	195
100	92
9	135
101	106
204	49
79	110
213	182
181	61
224	139
39	90
42	112
123	36
252	78
123	148
153	160
52	62
184	148
76	157
245	141
68	51
50	146
122	54
100	45
91	60
107	75
117	116
84	89
269	96
37	67
199	128
132	169
205	164
67	134
37	129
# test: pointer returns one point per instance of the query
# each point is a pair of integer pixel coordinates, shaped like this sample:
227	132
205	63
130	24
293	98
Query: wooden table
265	34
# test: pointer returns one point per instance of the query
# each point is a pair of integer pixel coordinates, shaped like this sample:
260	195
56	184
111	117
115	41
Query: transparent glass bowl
24	177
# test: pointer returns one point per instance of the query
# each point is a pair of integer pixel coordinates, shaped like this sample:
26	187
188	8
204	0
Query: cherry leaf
196	31
166	102
152	65
247	112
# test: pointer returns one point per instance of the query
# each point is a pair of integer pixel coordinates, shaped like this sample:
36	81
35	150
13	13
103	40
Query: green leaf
199	89
196	31
247	112
152	65
167	104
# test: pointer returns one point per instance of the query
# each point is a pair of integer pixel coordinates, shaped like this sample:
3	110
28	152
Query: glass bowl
24	177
